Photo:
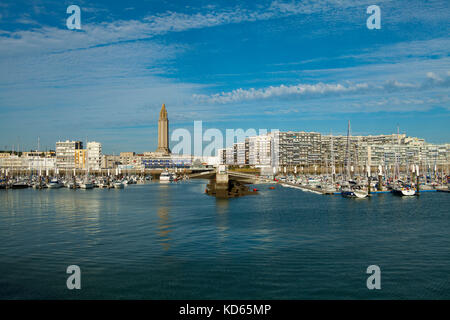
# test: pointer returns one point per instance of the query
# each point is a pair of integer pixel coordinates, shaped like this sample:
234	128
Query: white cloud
434	76
318	89
240	94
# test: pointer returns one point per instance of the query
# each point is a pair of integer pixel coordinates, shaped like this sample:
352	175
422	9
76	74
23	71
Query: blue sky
290	65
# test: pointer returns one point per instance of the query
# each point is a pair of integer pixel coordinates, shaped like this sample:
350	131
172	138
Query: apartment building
65	153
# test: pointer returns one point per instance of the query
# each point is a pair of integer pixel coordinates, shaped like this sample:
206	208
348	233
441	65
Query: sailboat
353	191
86	184
55	184
328	187
401	189
404	191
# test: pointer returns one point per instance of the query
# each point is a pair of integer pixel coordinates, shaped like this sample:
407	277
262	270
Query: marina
268	151
173	241
357	187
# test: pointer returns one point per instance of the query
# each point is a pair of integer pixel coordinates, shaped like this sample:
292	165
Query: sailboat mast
333	168
347	152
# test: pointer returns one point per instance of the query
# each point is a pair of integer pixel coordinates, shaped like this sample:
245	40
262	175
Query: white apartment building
40	163
259	150
239	153
65	153
229	156
94	154
12	161
222	155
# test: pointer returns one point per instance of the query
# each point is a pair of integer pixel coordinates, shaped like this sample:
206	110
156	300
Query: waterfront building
36	153
125	160
259	150
229	156
222	155
163	132
32	160
156	161
81	159
110	161
12	161
295	151
39	161
94	155
239	153
299	148
129	159
65	153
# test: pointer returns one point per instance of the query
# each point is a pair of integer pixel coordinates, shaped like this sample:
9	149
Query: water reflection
164	227
222	206
231	190
164	222
222	209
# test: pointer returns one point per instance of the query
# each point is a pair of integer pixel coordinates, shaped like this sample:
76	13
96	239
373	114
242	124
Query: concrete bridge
222	175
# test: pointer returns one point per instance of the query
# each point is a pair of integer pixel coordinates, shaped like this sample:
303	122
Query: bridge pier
222	178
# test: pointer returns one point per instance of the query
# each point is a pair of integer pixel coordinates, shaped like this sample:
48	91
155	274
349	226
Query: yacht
165	177
102	184
71	185
86	185
55	184
19	185
354	193
403	191
118	185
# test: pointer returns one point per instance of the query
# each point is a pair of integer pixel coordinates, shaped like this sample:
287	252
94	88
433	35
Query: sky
287	65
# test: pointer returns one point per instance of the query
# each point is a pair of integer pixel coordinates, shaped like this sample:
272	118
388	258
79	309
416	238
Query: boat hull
54	185
354	194
19	186
404	192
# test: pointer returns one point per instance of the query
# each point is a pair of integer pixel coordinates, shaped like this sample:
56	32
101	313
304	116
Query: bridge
223	174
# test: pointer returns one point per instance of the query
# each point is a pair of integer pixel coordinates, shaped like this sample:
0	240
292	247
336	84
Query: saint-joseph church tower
163	132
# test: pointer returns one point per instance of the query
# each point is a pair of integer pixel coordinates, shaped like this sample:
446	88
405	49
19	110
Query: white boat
55	184
402	191
70	185
118	185
360	194
355	193
102	185
86	185
165	177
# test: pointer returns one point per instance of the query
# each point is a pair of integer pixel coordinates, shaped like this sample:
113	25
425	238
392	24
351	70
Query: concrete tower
163	132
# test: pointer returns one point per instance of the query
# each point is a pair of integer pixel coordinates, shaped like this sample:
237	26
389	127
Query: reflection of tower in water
222	218
164	227
222	205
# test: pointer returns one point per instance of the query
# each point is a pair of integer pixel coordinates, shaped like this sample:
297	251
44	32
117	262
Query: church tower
163	132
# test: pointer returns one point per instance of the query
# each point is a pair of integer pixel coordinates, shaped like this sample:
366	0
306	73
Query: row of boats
73	183
360	188
85	182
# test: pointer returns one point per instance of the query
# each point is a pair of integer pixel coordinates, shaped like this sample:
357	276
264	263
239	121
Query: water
171	241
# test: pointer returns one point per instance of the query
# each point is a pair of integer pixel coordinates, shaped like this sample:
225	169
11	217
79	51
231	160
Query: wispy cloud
318	89
50	38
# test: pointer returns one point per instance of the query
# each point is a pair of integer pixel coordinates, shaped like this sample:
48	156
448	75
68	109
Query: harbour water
172	241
